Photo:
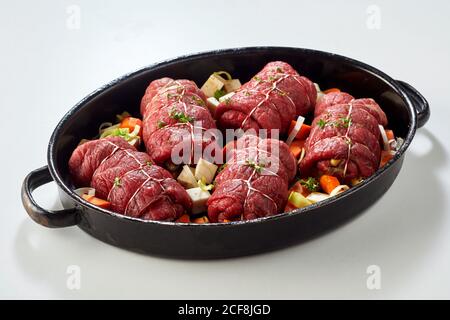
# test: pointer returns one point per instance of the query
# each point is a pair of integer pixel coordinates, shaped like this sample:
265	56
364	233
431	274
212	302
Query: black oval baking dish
405	107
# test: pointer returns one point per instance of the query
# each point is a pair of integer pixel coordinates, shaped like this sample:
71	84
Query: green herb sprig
258	167
311	184
180	116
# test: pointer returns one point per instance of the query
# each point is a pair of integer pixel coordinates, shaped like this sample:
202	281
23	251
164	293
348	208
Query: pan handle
419	102
47	218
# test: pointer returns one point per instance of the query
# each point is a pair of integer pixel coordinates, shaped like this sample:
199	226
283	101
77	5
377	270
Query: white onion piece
398	143
339	189
103	126
136	130
319	92
386	145
302	155
88	191
295	130
226	97
317	196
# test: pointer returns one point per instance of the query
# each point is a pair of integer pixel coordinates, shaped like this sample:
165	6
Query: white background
46	67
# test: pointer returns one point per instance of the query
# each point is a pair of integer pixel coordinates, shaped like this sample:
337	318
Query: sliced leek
317	197
298	200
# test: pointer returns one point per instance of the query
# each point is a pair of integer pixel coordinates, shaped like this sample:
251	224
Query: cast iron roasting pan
405	107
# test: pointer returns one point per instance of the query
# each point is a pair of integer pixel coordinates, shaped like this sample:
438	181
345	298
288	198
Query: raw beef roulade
270	100
254	182
128	180
345	138
175	117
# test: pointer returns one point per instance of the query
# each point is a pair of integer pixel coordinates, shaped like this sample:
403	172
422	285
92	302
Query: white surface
46	67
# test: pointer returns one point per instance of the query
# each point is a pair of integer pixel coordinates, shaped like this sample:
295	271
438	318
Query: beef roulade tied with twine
345	138
129	180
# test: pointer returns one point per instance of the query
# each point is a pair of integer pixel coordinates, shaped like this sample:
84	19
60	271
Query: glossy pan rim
412	127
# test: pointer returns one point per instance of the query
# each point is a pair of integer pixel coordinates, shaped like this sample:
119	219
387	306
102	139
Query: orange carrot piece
304	131
332	90
131	123
385	157
289	207
97	201
328	183
201	220
184	219
390	135
296	148
298	187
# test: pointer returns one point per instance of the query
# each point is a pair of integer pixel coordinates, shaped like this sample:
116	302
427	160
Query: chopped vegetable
386	156
88	191
226	97
317	197
335	162
298	200
232	85
296	148
396	144
302	133
184	219
332	90
97	201
302	154
212	104
390	134
339	189
186	178
204	186
205	170
115	130
356	181
201	220
131	124
386	145
296	126
226	74
300	188
328	183
289	207
219	94
199	198
311	184
214	83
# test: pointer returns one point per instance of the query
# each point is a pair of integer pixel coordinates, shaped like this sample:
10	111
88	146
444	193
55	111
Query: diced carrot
304	131
97	201
298	187
328	183
184	219
390	135
201	220
289	207
296	148
226	221
385	157
332	90
131	123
